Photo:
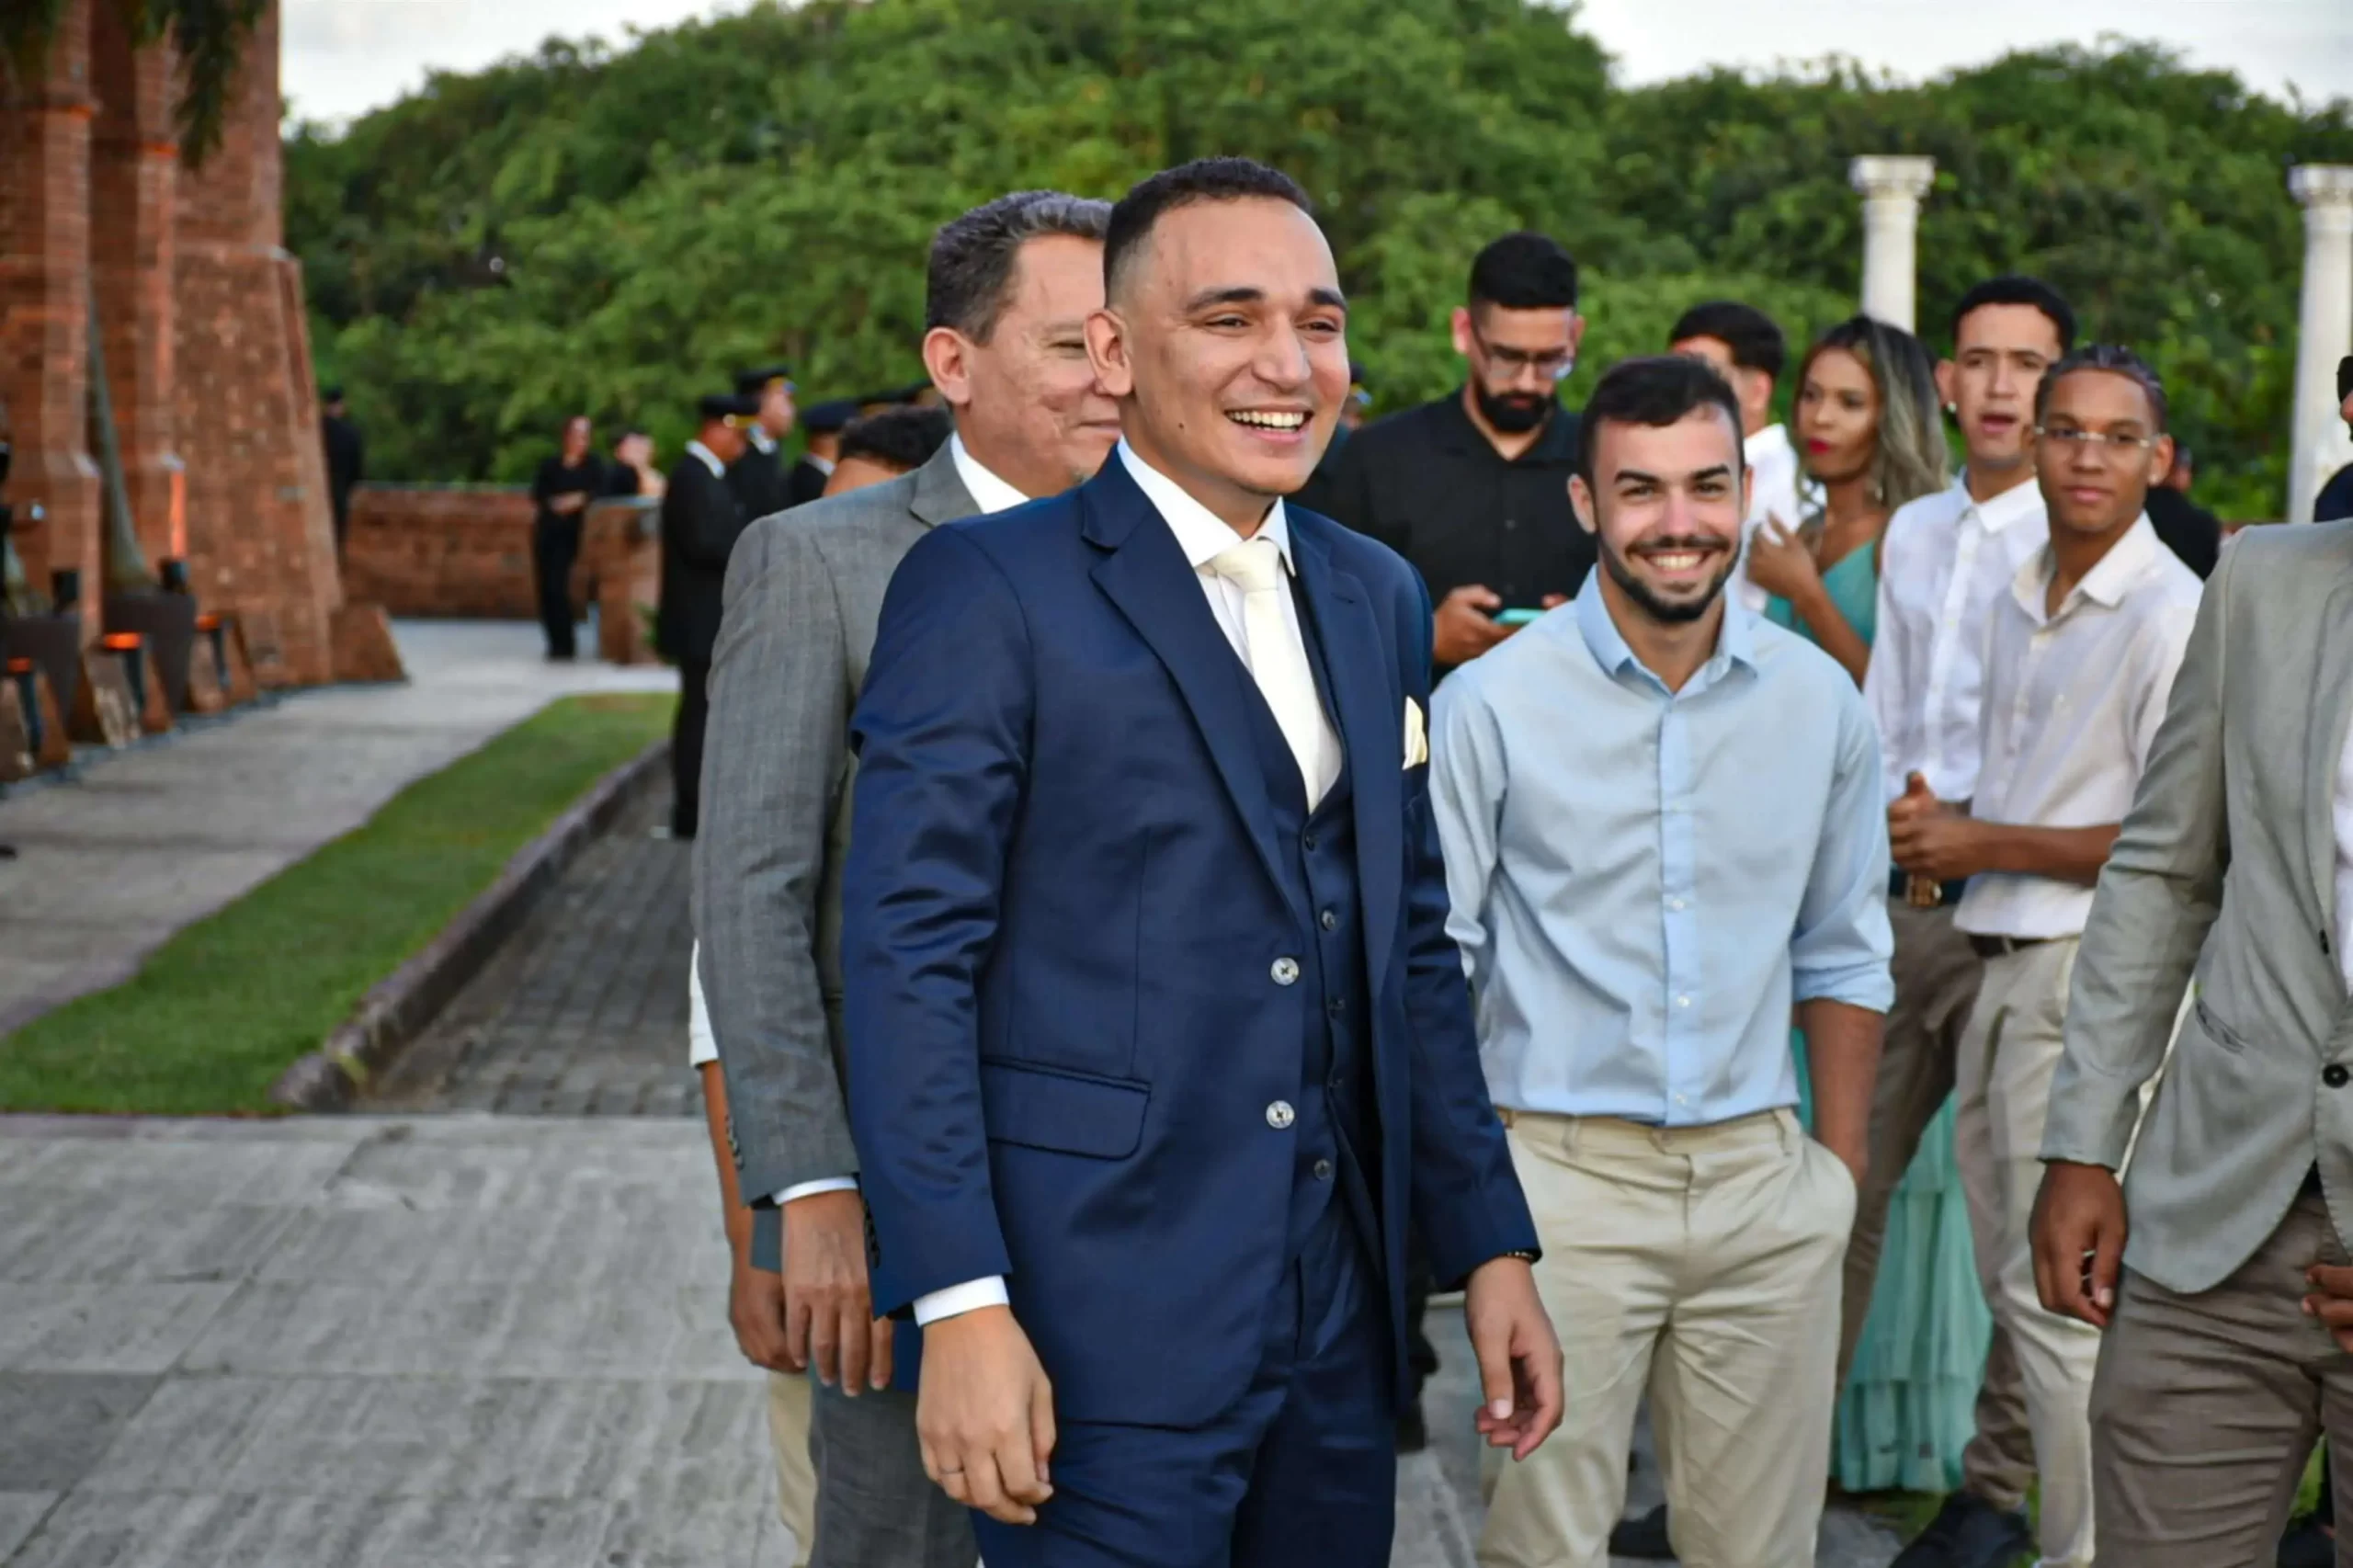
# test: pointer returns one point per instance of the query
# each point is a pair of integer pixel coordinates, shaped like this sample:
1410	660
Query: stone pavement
583	1012
442	1341
149	840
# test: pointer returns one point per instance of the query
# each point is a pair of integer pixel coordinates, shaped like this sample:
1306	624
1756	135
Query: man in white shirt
2079	663
1747	349
1010	285
1945	562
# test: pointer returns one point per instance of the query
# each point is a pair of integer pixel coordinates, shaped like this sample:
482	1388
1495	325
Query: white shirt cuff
702	1044
811	1188
957	1299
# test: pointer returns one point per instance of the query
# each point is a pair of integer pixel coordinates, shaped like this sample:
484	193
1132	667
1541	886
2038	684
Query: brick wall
456	549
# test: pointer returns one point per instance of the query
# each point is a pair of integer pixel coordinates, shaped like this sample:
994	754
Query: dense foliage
610	230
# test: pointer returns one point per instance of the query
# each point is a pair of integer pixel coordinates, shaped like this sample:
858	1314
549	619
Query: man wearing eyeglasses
2079	663
1473	488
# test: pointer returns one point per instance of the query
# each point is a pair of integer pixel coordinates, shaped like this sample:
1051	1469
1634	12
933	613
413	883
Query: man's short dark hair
2117	362
1134	215
1656	391
1754	337
1525	271
2016	289
970	272
905	437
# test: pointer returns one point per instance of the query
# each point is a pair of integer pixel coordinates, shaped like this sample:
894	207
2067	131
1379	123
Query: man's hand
829	1313
755	1310
985	1414
1940	843
2332	1301
1462	629
1519	1358
571	501
2078	1230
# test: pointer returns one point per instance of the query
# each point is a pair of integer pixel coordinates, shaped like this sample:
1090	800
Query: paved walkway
150	840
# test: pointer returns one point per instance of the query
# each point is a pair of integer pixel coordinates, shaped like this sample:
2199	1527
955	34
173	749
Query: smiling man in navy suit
1158	1039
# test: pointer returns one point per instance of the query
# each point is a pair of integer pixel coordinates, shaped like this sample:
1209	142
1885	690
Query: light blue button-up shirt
1644	880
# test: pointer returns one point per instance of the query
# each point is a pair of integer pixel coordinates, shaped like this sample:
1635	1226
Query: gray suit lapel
2332	714
940	496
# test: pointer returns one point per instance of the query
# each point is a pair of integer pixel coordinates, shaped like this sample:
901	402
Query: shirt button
1676	905
1335	1007
1683	1001
1322	1170
1280	1115
1329	921
1284	971
2334	1076
1510	523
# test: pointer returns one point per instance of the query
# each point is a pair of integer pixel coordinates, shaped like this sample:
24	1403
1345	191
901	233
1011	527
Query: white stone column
1892	189
2323	331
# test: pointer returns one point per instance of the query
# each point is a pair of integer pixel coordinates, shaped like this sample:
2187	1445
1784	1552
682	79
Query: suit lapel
1147	576
2331	716
1372	730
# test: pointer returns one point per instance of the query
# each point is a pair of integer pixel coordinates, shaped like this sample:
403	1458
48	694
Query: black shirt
2334	501
1427	483
556	478
2190	531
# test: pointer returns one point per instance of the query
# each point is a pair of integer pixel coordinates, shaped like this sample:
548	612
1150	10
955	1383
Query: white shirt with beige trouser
2073	701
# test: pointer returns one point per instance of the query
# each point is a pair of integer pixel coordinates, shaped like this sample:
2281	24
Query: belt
1899	887
1999	946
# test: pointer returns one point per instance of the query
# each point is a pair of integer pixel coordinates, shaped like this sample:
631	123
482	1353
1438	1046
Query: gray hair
973	257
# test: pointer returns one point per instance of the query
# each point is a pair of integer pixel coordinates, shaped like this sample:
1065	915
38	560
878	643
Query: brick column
134	175
260	539
44	306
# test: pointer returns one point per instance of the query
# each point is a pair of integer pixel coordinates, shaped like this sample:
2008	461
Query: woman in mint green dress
1869	436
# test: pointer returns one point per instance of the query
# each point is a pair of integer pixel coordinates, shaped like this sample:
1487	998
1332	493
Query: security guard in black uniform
757	477
700	520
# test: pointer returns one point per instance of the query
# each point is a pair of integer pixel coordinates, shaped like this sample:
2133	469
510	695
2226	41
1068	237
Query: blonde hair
1909	454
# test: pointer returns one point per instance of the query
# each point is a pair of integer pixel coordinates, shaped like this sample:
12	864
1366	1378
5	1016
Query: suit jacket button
1285	970
2334	1076
1280	1115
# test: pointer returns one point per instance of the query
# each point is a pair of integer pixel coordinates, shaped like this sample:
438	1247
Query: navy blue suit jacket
1061	920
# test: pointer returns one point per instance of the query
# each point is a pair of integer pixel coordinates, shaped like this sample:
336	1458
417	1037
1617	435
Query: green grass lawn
222	1009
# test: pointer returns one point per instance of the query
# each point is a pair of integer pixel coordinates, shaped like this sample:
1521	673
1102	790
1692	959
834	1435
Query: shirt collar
1736	639
988	491
1771	442
710	458
823	465
759	437
2105	585
1201	533
2015	505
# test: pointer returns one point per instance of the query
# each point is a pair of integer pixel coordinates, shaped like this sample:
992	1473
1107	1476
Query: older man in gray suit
2218	1368
1010	285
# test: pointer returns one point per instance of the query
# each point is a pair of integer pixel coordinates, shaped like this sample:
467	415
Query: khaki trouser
790	1397
1700	1266
2008	1058
2205	1407
1936	974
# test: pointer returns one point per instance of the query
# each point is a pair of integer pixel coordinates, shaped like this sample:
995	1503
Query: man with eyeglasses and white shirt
2079	663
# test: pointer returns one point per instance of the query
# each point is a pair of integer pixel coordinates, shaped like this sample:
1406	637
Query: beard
1670	612
1512	413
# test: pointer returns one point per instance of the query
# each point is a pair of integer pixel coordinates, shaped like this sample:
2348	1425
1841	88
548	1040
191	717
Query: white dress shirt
992	494
2073	702
1946	559
710	458
1202	536
1773	481
759	437
2341	813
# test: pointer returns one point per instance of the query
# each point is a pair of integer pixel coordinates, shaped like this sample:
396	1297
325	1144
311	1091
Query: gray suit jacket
804	588
2226	870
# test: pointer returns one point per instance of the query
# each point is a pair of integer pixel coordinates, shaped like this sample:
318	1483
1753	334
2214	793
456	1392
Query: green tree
211	35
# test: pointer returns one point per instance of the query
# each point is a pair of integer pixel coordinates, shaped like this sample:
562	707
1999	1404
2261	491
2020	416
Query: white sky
344	57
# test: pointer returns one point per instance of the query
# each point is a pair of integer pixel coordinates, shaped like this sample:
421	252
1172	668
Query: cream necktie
1277	657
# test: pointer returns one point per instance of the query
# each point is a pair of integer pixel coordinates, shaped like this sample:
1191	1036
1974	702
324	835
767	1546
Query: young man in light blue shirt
1664	827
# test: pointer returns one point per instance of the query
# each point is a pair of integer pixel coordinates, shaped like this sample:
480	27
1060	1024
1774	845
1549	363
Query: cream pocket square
1418	741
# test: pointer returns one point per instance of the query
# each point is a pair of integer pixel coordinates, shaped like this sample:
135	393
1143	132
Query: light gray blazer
2226	869
804	589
